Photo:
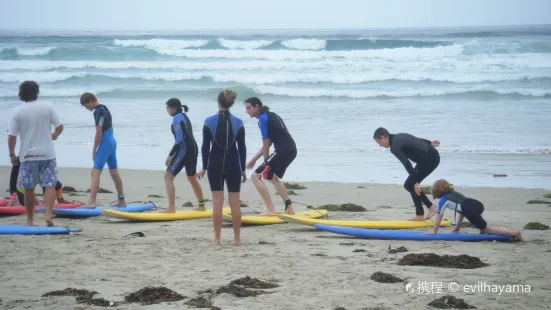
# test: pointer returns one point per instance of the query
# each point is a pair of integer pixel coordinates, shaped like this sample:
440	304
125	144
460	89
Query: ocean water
483	92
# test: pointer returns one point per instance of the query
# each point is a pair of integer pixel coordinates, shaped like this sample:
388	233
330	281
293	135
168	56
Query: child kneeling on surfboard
466	207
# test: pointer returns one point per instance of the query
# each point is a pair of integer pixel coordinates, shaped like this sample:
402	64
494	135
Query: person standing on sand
274	131
33	121
407	147
104	150
470	208
224	154
184	153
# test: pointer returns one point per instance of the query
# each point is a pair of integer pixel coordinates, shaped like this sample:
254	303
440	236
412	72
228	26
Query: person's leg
171	192
283	194
264	171
278	167
102	154
191	170
218	202
409	185
47	178
13	186
234	188
114	172
28	171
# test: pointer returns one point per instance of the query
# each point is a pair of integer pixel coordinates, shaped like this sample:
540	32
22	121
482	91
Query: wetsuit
184	153
20	191
470	208
226	159
407	147
285	150
107	147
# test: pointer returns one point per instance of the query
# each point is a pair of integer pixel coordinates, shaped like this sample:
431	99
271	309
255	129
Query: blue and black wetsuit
470	208
285	150
407	147
185	151
226	159
107	147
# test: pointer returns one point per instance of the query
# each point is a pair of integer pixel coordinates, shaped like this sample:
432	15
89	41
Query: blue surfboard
97	211
35	230
406	235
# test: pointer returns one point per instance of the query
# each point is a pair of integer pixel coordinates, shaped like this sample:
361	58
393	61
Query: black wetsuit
285	150
226	159
407	147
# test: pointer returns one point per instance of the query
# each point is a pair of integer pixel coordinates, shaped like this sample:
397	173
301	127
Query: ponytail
264	109
185	108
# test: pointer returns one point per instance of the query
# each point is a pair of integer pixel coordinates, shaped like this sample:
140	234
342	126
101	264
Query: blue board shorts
106	154
42	172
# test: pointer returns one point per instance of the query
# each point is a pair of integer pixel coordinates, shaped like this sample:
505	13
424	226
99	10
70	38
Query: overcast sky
266	14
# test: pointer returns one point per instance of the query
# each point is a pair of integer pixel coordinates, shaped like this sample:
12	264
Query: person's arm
205	149
242	148
396	149
178	137
57	124
439	216
12	139
458	223
266	141
98	119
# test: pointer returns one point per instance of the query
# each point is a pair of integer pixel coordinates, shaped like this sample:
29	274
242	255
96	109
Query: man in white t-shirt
33	121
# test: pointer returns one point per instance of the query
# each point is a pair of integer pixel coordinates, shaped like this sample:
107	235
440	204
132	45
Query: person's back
415	149
34	125
183	133
226	132
273	127
102	117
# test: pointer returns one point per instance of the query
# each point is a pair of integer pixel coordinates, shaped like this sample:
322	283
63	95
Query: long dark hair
254	101
175	103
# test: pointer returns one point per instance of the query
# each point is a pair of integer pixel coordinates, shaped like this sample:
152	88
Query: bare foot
267	213
216	242
431	212
202	208
237	243
290	210
119	203
87	206
170	210
417	218
29	223
50	223
519	236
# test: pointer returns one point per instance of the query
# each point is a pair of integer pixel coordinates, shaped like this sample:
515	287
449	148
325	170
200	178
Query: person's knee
168	176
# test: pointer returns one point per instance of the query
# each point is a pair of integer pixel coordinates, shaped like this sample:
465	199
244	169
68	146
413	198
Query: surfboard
160	216
16	210
361	224
406	235
270	220
4	202
98	210
36	230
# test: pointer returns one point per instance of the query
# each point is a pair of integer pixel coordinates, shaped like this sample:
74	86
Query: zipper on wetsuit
226	146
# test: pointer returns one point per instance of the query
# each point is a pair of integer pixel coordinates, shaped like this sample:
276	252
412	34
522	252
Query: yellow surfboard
269	220
361	224
160	216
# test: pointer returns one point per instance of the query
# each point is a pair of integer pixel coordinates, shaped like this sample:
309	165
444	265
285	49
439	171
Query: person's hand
251	164
243	177
435	143
200	174
456	230
94	155
168	161
13	160
430	233
417	189
54	136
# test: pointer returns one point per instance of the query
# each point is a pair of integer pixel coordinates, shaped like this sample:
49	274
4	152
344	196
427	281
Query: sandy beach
313	269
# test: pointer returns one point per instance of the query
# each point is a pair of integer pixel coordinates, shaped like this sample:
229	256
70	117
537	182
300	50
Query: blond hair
440	188
226	98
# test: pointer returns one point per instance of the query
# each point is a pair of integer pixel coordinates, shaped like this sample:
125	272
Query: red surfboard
15	210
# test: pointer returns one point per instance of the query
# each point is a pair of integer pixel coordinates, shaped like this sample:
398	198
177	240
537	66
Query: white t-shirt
33	121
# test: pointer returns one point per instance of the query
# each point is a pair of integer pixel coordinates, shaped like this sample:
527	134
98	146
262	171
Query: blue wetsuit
185	151
226	159
285	150
106	152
